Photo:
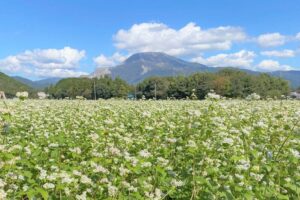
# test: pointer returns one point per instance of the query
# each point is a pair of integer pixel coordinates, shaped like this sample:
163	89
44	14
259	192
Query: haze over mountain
40	84
142	65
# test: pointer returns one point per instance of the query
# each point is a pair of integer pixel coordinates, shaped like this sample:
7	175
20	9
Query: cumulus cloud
284	53
298	36
45	62
61	73
272	65
104	61
241	59
190	39
271	40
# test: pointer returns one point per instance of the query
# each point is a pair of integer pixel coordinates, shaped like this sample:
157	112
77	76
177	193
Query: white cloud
298	36
241	59
104	61
189	40
61	73
283	53
45	62
271	40
272	65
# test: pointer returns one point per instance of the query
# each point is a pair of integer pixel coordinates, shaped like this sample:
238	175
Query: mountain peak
149	57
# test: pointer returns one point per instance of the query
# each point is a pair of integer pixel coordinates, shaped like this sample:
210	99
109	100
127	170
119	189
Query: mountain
293	76
40	84
11	86
142	65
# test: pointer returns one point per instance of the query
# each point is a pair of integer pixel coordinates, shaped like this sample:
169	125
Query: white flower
82	196
146	164
146	114
295	153
2	183
112	190
191	144
123	171
94	136
104	180
77	173
67	191
158	193
213	95
43	174
253	96
287	179
53	145
66	178
257	177
48	186
241	177
99	168
22	95
144	153
85	180
27	149
228	141
76	150
2	194
171	140
25	188
177	183
243	165
114	151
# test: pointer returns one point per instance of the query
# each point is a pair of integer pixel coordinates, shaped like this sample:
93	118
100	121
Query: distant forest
228	83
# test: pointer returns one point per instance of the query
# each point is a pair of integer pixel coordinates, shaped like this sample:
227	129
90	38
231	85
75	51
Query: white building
295	95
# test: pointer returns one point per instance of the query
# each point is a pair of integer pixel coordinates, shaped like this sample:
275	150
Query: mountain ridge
39	84
143	65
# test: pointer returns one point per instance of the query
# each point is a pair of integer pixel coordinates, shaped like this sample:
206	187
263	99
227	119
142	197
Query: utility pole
135	92
155	90
95	95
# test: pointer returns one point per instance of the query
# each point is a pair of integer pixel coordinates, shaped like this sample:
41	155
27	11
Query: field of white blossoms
51	149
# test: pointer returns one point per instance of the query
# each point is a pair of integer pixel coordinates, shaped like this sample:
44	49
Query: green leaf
43	192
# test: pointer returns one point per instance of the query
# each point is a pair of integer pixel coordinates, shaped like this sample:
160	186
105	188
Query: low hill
11	86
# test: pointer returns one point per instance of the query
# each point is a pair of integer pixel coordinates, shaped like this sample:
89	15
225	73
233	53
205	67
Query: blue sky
46	38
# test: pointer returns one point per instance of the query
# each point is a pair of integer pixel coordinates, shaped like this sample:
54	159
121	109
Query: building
295	95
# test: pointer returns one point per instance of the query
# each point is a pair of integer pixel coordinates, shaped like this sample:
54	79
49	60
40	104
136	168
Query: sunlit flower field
117	149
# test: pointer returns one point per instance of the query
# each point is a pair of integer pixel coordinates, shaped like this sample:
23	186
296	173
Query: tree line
228	83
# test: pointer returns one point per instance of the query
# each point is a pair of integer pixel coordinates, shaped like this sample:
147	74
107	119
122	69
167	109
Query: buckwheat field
238	149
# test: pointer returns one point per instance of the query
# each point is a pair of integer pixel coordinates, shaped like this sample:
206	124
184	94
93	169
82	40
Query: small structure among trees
295	95
2	95
42	95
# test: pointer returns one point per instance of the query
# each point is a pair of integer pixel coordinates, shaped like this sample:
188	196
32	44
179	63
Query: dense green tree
154	86
104	88
228	82
202	83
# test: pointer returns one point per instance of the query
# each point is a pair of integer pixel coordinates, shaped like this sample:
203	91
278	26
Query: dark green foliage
105	88
228	82
147	87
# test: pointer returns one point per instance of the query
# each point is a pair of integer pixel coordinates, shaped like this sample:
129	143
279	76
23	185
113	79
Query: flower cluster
117	149
22	95
253	96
